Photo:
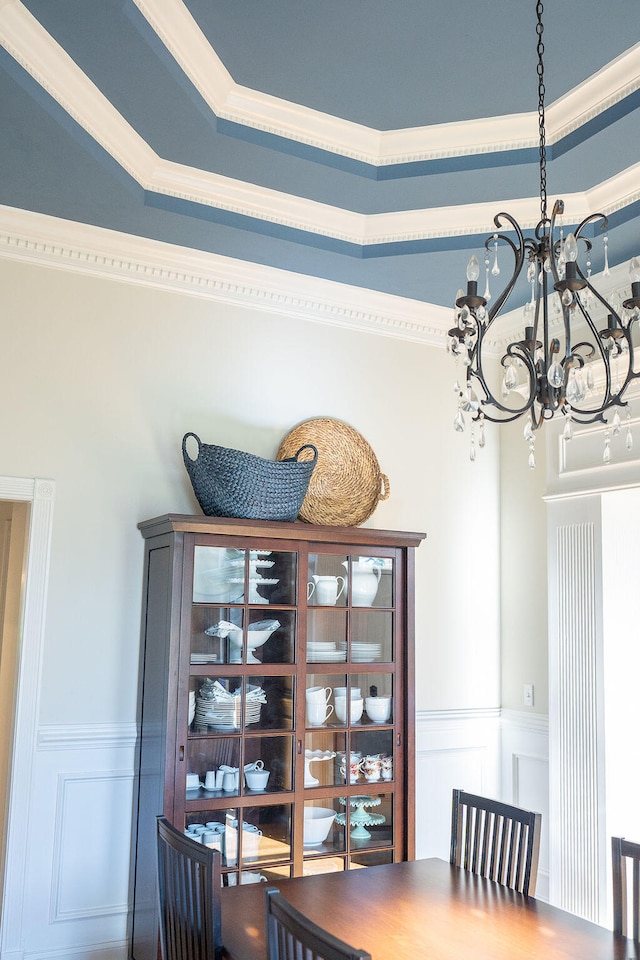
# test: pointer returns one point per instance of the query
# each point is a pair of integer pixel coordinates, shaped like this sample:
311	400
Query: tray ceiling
364	142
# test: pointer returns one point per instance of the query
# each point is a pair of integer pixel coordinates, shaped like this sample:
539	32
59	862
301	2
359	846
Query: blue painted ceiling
378	64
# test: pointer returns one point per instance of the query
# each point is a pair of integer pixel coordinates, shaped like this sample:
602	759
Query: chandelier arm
513	350
592	218
518	251
558	210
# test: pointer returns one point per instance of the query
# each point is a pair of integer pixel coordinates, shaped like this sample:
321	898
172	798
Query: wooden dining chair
496	840
292	936
189	896
625	858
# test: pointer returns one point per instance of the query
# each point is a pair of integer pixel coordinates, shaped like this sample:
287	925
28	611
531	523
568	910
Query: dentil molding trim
81	248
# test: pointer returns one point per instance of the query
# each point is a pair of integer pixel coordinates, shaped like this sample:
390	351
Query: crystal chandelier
574	369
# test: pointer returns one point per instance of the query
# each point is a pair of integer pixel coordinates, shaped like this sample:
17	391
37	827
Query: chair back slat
293	936
625	858
189	896
501	842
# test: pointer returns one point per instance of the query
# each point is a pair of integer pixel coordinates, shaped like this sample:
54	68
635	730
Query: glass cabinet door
350	736
249	663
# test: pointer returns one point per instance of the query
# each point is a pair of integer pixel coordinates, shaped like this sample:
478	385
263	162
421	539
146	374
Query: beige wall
102	379
523	546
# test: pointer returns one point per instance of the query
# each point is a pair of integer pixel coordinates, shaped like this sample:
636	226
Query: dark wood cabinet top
230	526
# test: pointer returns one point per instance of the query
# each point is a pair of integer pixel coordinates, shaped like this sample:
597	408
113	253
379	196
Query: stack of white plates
362	652
204	657
224	711
319	651
226	716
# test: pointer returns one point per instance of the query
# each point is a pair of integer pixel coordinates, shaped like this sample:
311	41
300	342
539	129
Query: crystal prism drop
495	269
532	458
616	423
606	272
606	454
629	439
528	430
572	388
481	439
555	374
472	448
458	423
510	377
567	433
487	291
589	378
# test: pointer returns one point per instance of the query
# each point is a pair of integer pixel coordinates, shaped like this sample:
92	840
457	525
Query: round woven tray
347	484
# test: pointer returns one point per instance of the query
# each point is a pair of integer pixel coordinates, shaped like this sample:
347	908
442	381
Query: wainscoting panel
97	808
525	775
76	901
454	748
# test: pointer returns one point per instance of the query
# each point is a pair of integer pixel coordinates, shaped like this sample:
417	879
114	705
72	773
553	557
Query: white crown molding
26	40
183	38
63	244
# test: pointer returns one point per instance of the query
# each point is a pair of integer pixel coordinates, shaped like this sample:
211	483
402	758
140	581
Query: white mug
193	781
354	713
318	694
318	713
210	780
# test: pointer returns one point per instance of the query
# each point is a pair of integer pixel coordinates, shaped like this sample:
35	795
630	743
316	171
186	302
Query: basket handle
307	446
386	489
185	455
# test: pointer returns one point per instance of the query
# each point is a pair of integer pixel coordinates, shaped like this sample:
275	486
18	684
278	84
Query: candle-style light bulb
634	270
473	269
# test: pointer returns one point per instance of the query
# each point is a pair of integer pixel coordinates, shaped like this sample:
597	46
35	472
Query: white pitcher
365	578
326	589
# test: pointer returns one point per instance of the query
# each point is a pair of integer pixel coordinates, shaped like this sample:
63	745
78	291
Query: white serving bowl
317	823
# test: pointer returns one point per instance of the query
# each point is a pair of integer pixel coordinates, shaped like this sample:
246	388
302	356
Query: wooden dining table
426	909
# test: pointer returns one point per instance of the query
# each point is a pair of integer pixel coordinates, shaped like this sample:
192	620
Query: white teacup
318	713
372	768
318	694
378	709
193	781
342	692
355	712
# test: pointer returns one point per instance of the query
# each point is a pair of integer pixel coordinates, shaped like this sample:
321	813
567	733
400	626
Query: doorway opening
14	523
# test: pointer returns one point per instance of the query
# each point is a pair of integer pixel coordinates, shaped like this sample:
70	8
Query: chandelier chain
541	125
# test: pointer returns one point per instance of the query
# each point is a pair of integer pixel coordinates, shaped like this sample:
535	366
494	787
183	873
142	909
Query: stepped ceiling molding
359	148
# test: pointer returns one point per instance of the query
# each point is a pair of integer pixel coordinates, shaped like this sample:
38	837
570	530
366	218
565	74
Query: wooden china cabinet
261	643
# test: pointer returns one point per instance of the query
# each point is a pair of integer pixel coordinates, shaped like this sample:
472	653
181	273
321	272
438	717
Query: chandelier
563	365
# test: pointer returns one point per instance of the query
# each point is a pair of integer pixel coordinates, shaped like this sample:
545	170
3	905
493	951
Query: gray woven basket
231	483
